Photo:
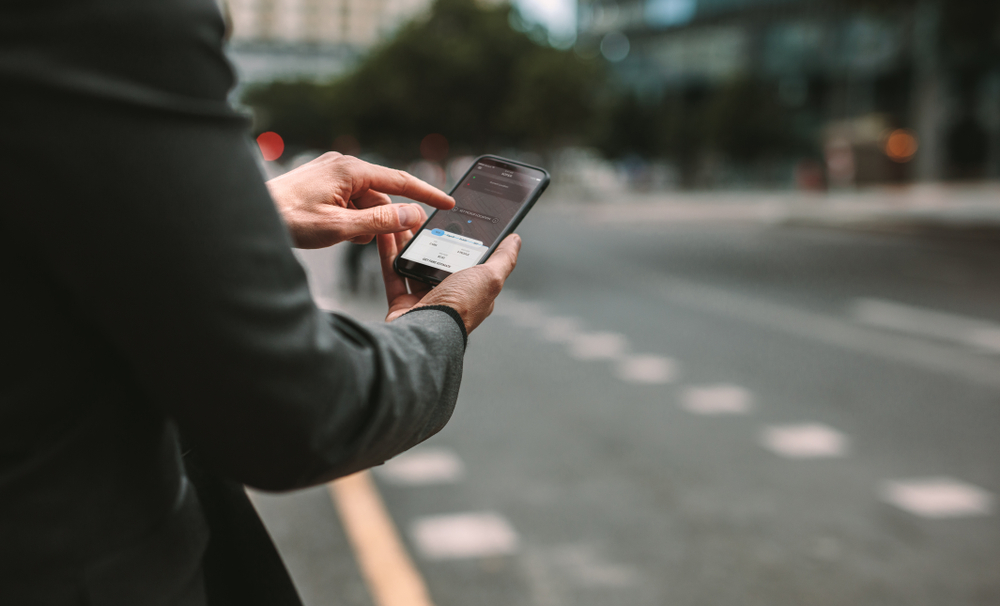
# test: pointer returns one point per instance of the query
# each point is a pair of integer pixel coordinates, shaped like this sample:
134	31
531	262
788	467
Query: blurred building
310	39
850	71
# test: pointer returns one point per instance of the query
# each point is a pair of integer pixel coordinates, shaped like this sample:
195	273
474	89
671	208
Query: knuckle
494	282
340	232
383	217
403	178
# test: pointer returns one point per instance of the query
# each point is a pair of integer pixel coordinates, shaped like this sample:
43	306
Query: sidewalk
961	207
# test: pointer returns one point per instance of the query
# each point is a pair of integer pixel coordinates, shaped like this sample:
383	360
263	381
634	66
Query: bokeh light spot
434	147
271	145
901	145
615	46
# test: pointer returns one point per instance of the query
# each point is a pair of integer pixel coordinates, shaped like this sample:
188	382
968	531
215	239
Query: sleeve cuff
451	312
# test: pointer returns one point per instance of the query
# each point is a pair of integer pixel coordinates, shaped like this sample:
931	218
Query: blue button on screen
437	232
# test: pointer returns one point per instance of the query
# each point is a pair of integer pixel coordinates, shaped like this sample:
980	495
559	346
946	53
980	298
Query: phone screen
486	201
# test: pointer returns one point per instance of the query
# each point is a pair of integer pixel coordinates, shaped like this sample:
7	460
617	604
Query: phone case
507	230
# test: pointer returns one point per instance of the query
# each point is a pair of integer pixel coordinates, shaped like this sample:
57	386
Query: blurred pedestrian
151	299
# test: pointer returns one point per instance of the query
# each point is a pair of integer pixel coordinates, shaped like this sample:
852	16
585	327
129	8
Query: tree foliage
461	72
740	119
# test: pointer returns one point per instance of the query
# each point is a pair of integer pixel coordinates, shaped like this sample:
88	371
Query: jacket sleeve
162	241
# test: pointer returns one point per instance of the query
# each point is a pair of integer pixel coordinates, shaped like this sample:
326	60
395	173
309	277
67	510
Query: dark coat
149	290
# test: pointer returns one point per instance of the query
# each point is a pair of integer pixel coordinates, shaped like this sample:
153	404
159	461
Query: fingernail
408	215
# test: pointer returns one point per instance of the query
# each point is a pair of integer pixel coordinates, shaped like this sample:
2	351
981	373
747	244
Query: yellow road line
392	578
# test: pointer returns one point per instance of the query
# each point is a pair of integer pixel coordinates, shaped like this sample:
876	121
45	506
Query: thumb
384	219
504	258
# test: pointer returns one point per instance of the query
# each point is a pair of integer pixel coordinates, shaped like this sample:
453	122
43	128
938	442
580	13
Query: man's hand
471	292
336	198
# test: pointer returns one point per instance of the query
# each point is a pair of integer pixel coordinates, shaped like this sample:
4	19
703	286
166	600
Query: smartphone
490	201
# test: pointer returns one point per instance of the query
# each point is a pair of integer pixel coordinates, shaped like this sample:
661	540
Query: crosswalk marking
526	315
648	369
560	329
804	441
597	346
939	497
721	399
423	466
464	535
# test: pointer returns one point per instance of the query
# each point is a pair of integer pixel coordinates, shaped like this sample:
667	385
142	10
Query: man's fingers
387	219
387	251
504	258
423	215
371	198
401	183
395	285
404	237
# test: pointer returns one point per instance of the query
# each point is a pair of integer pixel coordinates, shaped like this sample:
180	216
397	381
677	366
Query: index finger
402	183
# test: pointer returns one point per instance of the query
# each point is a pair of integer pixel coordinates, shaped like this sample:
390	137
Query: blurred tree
628	127
461	72
300	111
744	120
741	119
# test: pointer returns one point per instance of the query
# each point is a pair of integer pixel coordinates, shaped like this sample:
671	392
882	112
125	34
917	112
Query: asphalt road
686	414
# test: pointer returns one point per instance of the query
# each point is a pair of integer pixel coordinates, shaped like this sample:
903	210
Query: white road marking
506	304
831	330
938	497
650	369
986	339
560	329
526	315
423	466
972	332
464	535
804	441
597	346
722	399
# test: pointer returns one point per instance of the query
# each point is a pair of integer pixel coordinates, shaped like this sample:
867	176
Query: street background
751	350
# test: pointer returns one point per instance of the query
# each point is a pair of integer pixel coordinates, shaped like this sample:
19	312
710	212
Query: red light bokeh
901	145
271	145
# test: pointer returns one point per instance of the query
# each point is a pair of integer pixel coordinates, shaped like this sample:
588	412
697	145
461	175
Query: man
151	296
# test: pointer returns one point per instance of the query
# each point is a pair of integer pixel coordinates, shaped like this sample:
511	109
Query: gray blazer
149	290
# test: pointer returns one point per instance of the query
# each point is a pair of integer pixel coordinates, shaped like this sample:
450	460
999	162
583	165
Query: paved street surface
692	413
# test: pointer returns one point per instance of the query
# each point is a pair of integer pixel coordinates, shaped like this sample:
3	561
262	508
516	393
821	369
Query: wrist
451	311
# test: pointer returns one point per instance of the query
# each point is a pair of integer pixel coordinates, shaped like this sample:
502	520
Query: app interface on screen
485	202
